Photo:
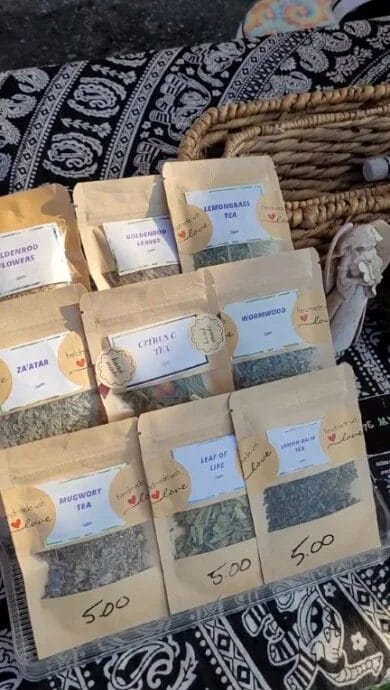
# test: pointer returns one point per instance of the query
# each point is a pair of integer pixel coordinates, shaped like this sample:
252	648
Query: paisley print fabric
125	116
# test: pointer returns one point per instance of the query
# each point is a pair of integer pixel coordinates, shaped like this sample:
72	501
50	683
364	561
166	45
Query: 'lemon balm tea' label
32	257
82	506
160	350
44	369
233	212
141	244
264	324
298	447
212	466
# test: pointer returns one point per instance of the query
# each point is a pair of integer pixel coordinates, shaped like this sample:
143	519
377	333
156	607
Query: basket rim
230	116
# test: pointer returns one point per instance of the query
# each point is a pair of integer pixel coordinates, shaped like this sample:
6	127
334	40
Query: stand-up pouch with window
275	316
40	246
304	461
226	209
47	382
80	522
126	230
156	344
200	507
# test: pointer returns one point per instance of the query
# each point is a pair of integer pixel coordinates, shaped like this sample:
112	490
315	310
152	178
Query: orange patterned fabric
274	16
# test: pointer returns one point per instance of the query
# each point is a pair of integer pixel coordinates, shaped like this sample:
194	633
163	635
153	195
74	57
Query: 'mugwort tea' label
232	212
141	244
32	257
43	369
82	505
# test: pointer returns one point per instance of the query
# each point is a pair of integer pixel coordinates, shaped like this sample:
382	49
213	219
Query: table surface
125	116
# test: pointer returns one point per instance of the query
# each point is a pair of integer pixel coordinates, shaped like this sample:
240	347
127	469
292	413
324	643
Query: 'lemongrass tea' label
32	258
298	447
160	350
264	324
140	244
47	368
82	506
212	466
233	212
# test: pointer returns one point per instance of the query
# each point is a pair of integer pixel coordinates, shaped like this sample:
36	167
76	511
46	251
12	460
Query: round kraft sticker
5	382
72	359
115	368
207	334
195	233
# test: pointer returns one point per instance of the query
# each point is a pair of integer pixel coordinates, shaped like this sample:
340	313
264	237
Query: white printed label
298	447
212	466
264	324
82	506
233	213
160	350
141	244
32	258
35	373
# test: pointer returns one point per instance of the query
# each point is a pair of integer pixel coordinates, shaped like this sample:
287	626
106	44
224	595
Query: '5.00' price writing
227	570
103	609
310	548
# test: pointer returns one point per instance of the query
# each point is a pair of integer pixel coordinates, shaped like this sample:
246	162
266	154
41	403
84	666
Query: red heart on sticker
272	216
155	494
80	362
303	317
132	500
181	234
332	437
16	523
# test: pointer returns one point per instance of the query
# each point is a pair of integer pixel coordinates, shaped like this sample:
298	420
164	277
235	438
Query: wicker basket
318	142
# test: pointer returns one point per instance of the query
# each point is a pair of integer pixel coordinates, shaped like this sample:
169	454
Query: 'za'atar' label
44	369
32	258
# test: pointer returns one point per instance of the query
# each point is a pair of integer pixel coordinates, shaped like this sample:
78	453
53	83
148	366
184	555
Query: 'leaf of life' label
264	324
298	447
167	348
233	212
44	369
212	466
82	506
32	257
141	244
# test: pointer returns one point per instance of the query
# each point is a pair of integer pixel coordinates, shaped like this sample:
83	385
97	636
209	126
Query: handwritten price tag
310	547
227	570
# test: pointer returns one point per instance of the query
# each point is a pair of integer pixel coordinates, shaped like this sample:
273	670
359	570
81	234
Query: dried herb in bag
303	457
126	230
47	382
79	515
200	507
226	210
275	316
156	344
40	246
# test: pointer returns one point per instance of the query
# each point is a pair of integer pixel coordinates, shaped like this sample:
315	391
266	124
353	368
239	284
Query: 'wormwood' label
32	257
264	324
82	506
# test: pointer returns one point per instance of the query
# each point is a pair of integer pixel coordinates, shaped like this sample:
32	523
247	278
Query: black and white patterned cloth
125	116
